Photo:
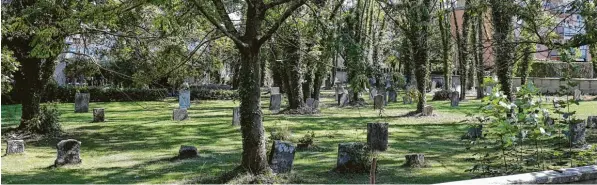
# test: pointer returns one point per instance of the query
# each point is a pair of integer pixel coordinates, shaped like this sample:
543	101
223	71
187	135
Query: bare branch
283	18
213	21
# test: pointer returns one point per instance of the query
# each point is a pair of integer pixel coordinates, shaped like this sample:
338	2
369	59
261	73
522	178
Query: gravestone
98	115
592	122
488	90
186	152
184	99
378	102
81	102
344	99
433	85
377	136
68	152
373	93
180	114
236	116
415	160
454	98
392	95
15	147
312	103
275	90
556	103
352	157
275	101
577	133
577	94
458	89
474	132
281	156
427	110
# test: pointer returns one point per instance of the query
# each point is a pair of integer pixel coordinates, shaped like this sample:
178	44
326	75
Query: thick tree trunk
524	66
254	157
502	26
292	63
480	66
308	84
420	53
445	34
319	77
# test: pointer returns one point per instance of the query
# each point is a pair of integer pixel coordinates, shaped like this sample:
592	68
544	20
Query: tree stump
352	157
577	134
236	116
68	152
81	102
592	122
427	110
378	102
15	147
281	156
415	160
186	152
275	101
377	136
180	114
98	115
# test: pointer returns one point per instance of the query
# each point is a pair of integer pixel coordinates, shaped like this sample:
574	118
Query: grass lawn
138	138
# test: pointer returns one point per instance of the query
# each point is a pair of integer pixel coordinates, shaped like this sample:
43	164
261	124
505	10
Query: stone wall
552	85
583	174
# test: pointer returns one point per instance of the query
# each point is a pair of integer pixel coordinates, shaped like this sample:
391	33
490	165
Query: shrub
98	94
441	95
307	140
556	69
213	94
48	121
280	133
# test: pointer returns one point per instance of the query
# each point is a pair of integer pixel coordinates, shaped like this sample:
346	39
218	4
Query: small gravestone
377	136
15	147
180	114
407	99
474	132
577	133
344	99
184	99
415	160
98	115
454	98
312	103
378	102
281	156
577	94
392	95
427	110
81	102
592	122
186	152
352	157
275	101
275	90
236	116
68	152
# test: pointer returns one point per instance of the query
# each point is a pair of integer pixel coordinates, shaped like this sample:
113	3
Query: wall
552	85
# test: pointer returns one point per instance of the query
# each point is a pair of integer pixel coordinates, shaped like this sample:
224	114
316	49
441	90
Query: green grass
138	138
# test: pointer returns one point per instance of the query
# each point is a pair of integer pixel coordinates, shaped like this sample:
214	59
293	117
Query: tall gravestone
378	102
577	94
180	114
454	98
275	90
98	115
15	147
236	116
377	136
392	96
281	156
184	99
81	102
68	152
275	101
577	133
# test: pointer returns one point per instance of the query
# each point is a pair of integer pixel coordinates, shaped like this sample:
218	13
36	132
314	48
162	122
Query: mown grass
138	139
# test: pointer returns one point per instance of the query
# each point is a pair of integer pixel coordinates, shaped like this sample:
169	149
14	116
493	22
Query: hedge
441	95
213	94
557	69
54	93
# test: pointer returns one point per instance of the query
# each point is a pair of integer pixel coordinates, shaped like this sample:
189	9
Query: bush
48	121
556	69
280	133
307	140
213	94
441	95
98	94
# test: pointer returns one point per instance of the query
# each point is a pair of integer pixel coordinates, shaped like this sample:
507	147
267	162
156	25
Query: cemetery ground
139	139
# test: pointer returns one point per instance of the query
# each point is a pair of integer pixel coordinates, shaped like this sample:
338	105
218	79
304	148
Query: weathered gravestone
488	90
458	88
577	133
68	152
275	101
186	152
427	110
392	96
184	99
352	157
378	102
180	114
275	90
592	122
15	147
373	93
433	85
236	116
281	156
344	99
312	103
98	115
81	102
577	94
454	98
377	136
415	160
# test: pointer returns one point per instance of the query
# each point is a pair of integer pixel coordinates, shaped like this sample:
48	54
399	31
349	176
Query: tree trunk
319	77
292	64
308	84
235	77
445	35
420	47
254	157
480	66
502	36
525	62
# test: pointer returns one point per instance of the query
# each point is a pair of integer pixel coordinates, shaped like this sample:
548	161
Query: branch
224	16
275	3
213	21
277	24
